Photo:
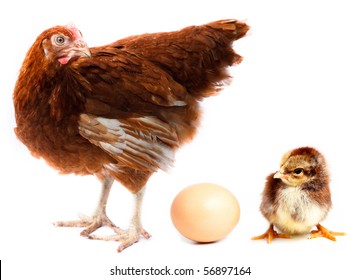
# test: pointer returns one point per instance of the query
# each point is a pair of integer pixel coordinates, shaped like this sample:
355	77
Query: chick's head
302	166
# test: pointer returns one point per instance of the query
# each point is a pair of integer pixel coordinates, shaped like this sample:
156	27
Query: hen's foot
270	234
91	224
324	232
126	237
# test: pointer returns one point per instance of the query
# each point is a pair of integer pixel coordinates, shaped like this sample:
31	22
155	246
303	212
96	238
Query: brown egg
205	212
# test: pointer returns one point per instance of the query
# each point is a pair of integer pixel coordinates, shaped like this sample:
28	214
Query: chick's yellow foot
126	237
270	234
91	224
324	232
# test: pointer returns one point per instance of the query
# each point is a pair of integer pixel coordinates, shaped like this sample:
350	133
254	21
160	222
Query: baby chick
297	197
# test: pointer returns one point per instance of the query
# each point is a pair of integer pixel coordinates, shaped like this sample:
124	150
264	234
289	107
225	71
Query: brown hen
119	111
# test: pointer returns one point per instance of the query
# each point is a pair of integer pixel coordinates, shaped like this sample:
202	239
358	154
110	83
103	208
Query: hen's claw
126	237
130	237
91	224
100	219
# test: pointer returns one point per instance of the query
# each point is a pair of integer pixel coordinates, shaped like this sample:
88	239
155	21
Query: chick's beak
278	175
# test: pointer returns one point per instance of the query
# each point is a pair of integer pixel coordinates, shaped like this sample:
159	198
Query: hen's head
303	166
60	43
52	49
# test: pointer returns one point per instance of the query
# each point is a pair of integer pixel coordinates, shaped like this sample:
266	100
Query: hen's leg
132	235
99	218
324	232
270	234
135	230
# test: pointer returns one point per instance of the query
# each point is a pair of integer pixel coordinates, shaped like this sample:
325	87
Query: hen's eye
298	171
60	40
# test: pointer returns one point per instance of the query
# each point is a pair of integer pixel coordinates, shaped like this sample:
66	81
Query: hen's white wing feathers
143	143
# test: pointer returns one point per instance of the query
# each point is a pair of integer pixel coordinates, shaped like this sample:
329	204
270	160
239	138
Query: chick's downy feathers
297	197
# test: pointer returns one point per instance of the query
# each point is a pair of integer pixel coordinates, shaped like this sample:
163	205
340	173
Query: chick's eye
60	40
298	171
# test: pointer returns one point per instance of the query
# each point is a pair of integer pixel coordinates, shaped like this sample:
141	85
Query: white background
298	85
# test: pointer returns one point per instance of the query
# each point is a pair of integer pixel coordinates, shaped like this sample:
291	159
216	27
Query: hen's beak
78	49
81	49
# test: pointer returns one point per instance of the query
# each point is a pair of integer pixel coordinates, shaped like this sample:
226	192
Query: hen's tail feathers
217	55
196	57
233	28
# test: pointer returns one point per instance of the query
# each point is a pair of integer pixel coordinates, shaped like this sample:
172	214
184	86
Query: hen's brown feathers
125	109
196	56
117	76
